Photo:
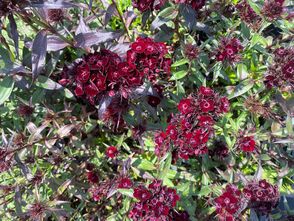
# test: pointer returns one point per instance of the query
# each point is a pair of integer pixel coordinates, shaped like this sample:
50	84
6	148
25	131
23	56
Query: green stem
122	19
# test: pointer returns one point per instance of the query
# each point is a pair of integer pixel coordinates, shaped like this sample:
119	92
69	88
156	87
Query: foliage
146	110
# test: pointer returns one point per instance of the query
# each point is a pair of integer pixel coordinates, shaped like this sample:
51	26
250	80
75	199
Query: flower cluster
228	204
7	6
189	131
146	58
55	15
196	4
155	202
191	51
246	143
259	195
262	196
281	72
248	15
229	50
100	190
220	150
145	5
273	9
111	152
104	72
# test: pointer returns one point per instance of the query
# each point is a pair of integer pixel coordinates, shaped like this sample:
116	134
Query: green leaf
180	62
242	72
163	17
143	164
165	166
179	75
126	192
241	88
205	191
6	87
47	83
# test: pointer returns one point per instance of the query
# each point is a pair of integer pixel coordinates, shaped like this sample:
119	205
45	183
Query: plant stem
122	19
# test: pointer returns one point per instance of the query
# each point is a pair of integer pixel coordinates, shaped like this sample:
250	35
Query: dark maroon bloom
92	177
280	73
229	50
25	110
206	105
247	144
155	202
55	15
248	15
191	51
206	91
185	106
145	5
147	58
141	193
273	9
220	150
125	183
37	211
196	4
228	204
262	196
205	120
189	131
153	101
100	191
111	152
180	216
172	132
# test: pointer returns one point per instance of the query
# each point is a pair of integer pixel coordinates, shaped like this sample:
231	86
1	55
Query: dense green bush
148	110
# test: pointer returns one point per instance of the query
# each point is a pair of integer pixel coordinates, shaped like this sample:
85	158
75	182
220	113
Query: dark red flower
155	202
262	196
92	177
229	50
205	120
172	132
228	204
153	101
79	91
206	91
142	194
111	151
247	144
206	105
125	183
25	110
185	106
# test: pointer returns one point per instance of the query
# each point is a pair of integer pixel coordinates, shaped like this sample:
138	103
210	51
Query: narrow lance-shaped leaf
96	37
39	50
13	33
82	28
6	87
54	43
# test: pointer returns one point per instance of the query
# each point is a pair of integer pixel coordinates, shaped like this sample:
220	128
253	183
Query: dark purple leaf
54	43
120	49
39	49
82	28
96	37
189	15
53	4
130	16
13	32
111	10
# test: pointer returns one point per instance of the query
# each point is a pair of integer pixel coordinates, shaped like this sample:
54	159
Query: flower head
111	152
